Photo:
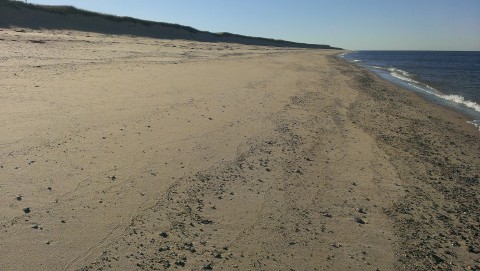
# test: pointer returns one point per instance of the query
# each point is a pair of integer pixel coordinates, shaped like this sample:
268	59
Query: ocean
451	79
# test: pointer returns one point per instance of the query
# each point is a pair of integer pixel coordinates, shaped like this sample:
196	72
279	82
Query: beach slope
130	153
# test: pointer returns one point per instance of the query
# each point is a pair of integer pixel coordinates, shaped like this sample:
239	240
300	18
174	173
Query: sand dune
19	14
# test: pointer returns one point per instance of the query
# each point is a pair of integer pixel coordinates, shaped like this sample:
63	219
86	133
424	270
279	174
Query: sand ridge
68	18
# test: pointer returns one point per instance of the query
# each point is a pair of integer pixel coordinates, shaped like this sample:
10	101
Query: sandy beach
132	153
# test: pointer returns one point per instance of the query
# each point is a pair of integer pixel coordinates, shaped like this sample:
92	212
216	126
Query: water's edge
403	79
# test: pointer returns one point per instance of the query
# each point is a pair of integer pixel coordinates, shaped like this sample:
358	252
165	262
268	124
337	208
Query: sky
349	24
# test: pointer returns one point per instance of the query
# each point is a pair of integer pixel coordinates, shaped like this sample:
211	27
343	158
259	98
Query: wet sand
145	154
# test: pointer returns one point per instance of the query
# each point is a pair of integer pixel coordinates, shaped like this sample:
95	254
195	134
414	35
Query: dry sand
146	154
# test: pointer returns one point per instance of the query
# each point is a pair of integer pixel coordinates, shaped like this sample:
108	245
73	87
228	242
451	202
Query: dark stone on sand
180	263
19	197
473	249
208	266
189	246
360	210
207	221
27	210
164	234
164	248
359	220
436	258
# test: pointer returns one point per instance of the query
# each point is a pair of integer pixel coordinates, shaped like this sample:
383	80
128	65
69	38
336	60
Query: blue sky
350	24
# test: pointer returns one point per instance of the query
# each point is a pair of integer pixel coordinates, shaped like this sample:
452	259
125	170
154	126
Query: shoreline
153	154
445	168
468	117
456	102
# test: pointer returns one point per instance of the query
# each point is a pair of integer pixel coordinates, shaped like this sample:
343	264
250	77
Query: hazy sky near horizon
350	24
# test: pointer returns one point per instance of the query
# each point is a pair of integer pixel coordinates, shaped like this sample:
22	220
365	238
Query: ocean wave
398	71
407	77
403	77
460	100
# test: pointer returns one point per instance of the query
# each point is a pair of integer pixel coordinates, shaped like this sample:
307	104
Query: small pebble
359	220
180	263
360	210
164	248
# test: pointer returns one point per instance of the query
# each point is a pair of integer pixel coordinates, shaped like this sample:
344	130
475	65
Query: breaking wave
460	100
407	77
446	78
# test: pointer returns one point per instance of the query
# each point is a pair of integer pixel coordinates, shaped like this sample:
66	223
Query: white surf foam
476	123
402	75
403	78
409	80
398	71
461	100
458	99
